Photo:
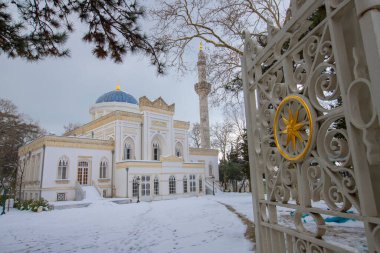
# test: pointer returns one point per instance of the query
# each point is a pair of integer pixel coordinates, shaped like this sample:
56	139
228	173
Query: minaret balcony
203	88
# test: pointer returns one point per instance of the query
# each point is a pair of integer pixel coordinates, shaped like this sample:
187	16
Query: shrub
16	204
31	204
37	203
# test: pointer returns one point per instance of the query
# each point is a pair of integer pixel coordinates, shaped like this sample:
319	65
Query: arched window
192	183
134	187
156	186
172	189
178	149
129	148
63	165
103	169
184	184
210	170
200	184
156	149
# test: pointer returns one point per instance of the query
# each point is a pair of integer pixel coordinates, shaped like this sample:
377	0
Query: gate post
312	101
368	12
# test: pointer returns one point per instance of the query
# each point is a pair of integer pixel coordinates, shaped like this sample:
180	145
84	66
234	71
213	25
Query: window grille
184	184
61	196
172	186
156	187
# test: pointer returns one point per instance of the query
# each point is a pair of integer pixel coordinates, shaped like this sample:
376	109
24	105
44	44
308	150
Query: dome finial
118	87
200	46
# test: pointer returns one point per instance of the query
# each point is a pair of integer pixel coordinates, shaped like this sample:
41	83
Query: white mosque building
130	148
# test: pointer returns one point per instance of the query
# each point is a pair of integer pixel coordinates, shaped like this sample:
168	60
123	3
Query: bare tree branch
219	23
195	136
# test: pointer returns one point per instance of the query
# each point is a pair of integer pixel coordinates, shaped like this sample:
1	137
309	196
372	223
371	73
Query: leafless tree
15	131
222	137
22	164
195	136
71	126
219	23
235	114
229	134
6	106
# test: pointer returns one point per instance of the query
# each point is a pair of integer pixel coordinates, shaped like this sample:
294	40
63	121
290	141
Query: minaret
203	88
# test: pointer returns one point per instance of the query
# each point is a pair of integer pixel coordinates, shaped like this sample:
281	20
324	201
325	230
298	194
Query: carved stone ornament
159	103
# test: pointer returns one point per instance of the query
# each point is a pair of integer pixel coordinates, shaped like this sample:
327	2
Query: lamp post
138	188
213	182
127	169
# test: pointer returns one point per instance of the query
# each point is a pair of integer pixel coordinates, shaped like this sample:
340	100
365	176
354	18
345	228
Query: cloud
57	91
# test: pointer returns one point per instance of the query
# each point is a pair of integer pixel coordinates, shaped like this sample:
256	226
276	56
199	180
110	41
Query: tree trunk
20	179
242	185
19	194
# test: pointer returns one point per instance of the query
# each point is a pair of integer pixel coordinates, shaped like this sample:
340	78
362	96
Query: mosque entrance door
83	172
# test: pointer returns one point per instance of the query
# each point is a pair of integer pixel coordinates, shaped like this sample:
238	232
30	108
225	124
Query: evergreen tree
231	169
243	149
40	29
235	168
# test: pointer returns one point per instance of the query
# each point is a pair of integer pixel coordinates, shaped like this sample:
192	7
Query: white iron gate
313	108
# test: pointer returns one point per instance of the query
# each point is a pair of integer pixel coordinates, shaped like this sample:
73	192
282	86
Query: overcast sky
57	91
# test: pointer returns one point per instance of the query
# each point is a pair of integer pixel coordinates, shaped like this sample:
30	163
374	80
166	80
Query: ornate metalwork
313	126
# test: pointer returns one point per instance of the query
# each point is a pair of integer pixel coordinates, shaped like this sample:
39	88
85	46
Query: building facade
125	140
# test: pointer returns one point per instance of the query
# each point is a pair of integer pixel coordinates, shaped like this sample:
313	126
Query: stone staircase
91	193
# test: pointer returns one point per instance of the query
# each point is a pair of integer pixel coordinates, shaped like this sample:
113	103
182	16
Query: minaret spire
203	88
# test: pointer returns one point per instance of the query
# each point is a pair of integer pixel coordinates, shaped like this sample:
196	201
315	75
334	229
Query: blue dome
117	96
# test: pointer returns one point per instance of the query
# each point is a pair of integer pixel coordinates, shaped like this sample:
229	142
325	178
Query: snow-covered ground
197	224
350	233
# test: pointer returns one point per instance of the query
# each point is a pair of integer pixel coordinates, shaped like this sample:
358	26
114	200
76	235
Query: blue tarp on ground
335	219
